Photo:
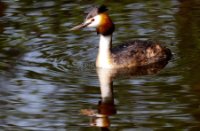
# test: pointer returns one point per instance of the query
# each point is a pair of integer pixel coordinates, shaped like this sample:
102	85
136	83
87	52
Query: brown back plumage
139	53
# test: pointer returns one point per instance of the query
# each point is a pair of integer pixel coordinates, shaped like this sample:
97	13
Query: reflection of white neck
104	54
105	85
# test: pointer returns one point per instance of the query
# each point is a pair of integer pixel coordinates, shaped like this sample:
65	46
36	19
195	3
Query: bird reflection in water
106	106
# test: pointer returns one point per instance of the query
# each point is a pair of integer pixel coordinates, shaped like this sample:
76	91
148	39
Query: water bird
130	54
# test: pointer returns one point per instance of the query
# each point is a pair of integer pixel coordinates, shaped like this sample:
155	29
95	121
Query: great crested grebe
130	54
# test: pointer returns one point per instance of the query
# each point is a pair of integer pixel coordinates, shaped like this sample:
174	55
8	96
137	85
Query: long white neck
104	54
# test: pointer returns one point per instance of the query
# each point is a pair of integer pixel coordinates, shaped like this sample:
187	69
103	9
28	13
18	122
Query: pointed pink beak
80	26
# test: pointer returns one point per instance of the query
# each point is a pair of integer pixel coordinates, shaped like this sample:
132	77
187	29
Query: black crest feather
95	11
102	9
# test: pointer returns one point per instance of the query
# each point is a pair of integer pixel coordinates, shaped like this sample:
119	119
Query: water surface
47	73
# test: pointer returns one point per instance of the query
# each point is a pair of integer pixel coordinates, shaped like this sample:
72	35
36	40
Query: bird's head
98	18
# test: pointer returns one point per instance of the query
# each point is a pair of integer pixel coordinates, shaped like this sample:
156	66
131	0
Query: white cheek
96	22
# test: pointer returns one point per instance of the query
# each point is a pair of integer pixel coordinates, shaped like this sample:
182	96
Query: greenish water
47	73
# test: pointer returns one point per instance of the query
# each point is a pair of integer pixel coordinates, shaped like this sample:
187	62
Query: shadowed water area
48	79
